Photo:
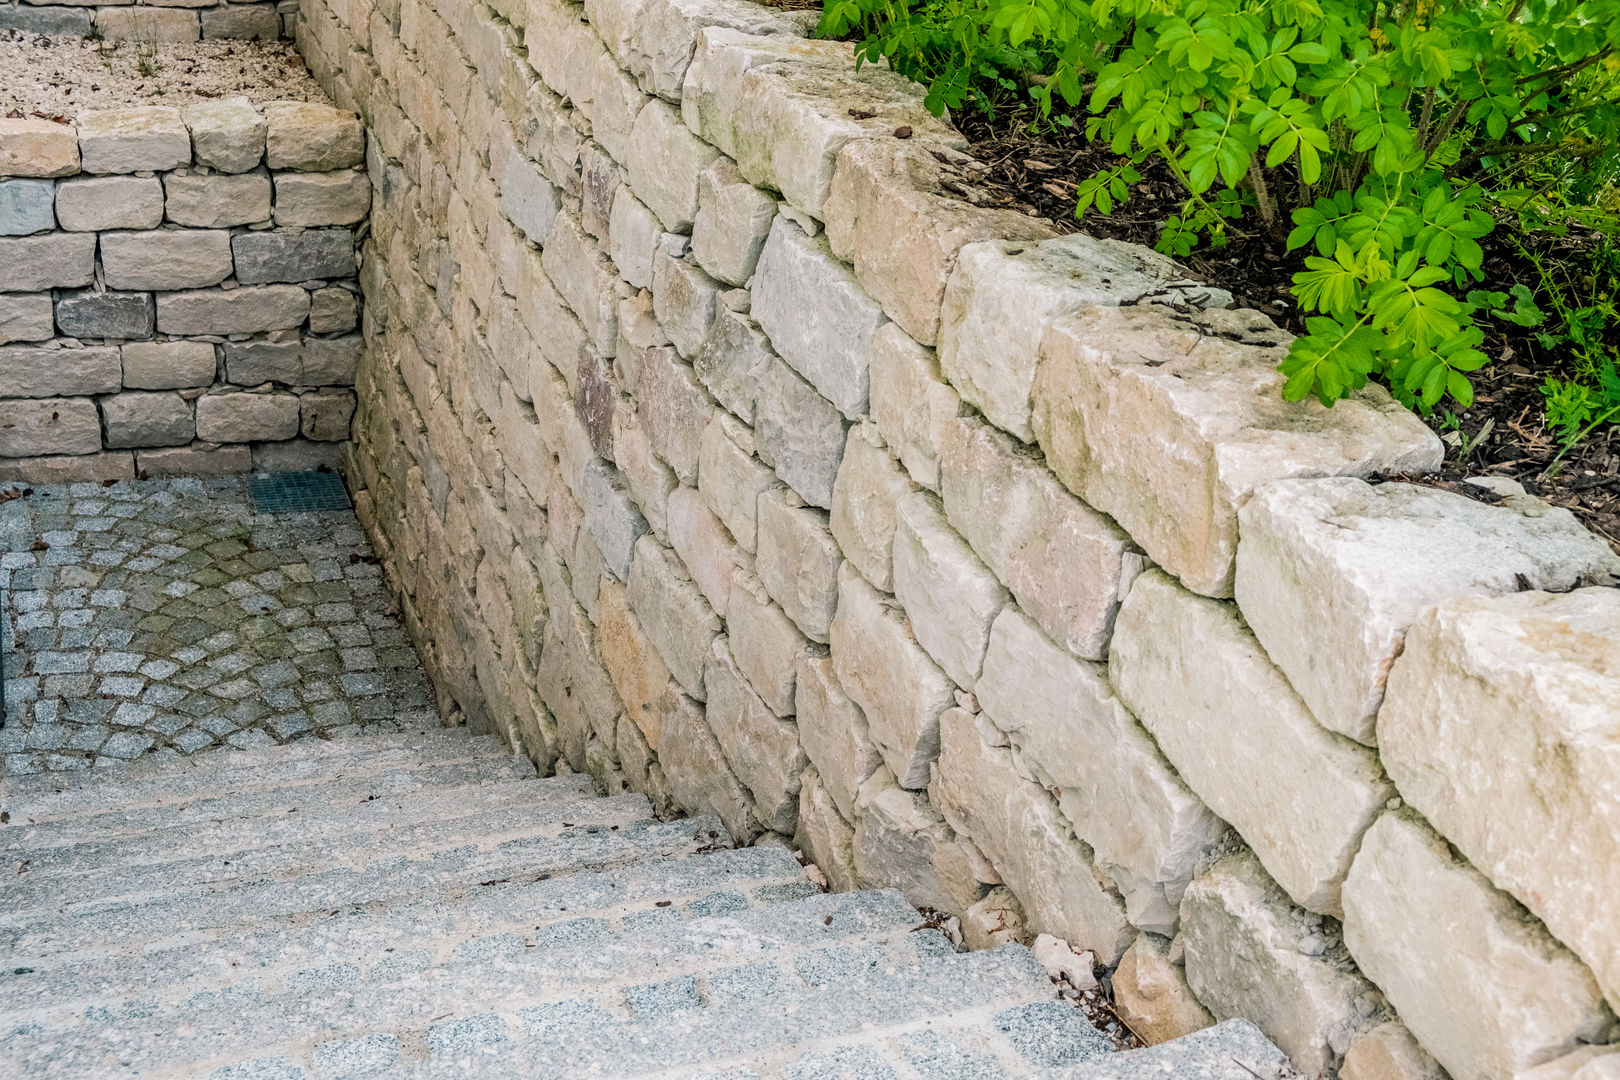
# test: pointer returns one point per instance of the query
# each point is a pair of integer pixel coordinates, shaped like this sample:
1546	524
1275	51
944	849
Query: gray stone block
168	365
166	259
25	317
49	261
147	24
228	418
126	315
52	21
324	415
242	21
250	363
147	418
320	254
333	311
27	371
801	433
332	361
26	207
239	311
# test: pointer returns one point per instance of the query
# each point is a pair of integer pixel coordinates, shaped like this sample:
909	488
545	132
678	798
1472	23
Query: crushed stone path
167	618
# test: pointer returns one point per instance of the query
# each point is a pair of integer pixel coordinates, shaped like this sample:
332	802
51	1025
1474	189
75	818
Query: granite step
1230	1050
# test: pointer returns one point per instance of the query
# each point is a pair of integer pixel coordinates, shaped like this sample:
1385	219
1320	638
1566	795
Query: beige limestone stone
57	260
167	365
1168	428
239	417
1482	985
93	203
633	234
674	614
731	479
1152	997
711	556
655	39
825	836
798	561
217	201
866	498
995	920
68	468
674	409
226	134
762	749
1586	1063
732	360
166	259
632	660
949	596
26	317
141	138
144	23
311	137
664	160
49	426
911	403
584	277
28	371
147	418
32	147
1500	726
765	644
902	843
1388	1052
733	219
333	310
685	299
573	683
699	778
240	311
342	197
833	731
325	415
649	479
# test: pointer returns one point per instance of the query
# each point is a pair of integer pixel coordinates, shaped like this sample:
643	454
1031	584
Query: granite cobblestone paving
165	617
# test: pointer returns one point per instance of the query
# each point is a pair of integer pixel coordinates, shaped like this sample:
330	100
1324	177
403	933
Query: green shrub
1366	132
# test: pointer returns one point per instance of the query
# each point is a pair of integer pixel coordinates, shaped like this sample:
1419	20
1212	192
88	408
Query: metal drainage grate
297	492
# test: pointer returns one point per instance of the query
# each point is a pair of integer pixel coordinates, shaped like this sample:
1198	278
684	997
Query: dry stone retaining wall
178	289
717	447
150	22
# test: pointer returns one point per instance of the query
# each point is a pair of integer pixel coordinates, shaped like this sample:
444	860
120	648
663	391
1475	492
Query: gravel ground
58	77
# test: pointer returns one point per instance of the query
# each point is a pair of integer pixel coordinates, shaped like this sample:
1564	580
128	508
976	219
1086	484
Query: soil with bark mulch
1503	434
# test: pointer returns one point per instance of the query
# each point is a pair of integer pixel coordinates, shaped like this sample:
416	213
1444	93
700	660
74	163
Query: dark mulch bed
1503	434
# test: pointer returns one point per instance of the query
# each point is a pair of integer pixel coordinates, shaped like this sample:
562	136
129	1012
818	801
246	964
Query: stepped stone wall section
178	289
150	21
718	446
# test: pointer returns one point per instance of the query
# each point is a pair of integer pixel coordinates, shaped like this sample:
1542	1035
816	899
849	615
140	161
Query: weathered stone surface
902	843
311	137
816	315
327	361
218	200
30	147
731	479
1388	1052
911	402
732	360
825	835
1068	566
584	276
143	138
615	104
1003	295
33	372
674	614
145	23
51	21
333	198
1241	738
664	160
64	469
675	410
996	919
317	254
1485	989
1168	428
948	594
611	515
798	562
167	365
732	221
889	213
638	672
1152	996
884	671
655	40
699	778
834	732
27	206
46	426
26	317
325	415
333	310
650	480
1368	561
866	498
711	556
226	134
224	418
1586	1063
573	684
800	433
765	644
91	314
199	459
762	749
1252	954
1019	828
633	235
1499	727
1147	832
49	261
147	418
94	203
166	259
239	311
685	299
527	197
241	22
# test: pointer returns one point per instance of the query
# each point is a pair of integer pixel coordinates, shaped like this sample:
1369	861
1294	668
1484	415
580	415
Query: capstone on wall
151	22
178	289
715	448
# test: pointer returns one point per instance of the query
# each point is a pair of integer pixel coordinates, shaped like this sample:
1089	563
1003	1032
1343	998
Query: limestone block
239	311
948	594
226	134
733	219
889	213
63	469
824	835
275	256
1482	985
638	672
142	138
1152	996
674	614
884	671
902	843
798	562
527	198
995	920
166	259
1586	1063
218	200
147	418
167	365
51	21
732	360
1168	429
1368	561
326	361
685	299
147	24
674	410
833	731
731	479
1147	832
818	318
47	425
1252	954
1388	1052
30	147
649	479
1003	294
1019	828
712	92
765	644
800	433
611	515
94	203
615	107
26	317
1499	727
342	198
633	233
91	314
711	556
31	372
325	415
584	276
240	417
866	496
664	160
27	206
596	395
333	310
311	137
241	22
699	778
1068	566
655	40
55	260
762	749
1237	733
911	402
573	684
